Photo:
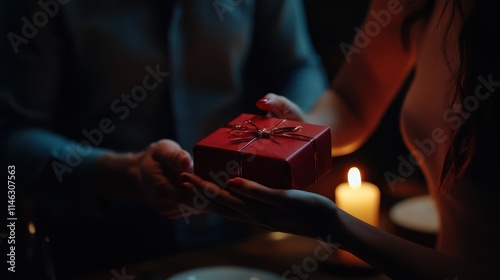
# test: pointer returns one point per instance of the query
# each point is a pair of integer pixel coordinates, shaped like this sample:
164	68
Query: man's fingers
170	154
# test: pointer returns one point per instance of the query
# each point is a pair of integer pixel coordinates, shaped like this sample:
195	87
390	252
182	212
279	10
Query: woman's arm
376	66
312	215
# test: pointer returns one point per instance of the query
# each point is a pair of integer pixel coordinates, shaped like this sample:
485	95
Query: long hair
479	62
479	54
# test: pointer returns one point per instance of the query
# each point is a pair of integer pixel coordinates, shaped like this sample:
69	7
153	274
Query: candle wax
362	202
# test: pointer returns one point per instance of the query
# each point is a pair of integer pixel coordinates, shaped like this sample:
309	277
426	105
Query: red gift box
274	152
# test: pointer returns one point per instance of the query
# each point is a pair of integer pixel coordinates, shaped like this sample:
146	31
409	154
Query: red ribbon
243	133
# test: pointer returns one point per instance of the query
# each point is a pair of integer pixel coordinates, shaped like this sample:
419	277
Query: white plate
417	213
225	272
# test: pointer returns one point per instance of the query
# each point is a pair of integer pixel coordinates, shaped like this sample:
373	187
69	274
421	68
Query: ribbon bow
244	133
249	132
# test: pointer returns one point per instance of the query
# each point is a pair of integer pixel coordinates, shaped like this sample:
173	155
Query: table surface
273	252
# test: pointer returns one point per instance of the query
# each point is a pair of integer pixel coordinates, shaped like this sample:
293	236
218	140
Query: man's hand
160	170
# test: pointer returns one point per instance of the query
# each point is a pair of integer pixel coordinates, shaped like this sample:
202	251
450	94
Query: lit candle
358	198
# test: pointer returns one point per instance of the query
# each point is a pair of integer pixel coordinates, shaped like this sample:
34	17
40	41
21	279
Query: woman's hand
292	211
278	106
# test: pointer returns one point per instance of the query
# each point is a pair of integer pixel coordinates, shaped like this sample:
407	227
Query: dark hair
479	59
479	54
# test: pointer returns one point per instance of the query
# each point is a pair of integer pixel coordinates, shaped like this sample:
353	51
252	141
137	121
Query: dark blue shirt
118	75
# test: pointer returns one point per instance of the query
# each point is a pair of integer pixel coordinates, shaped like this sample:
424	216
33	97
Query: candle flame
31	228
354	178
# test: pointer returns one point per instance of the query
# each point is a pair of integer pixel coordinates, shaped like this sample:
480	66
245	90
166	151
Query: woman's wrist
341	230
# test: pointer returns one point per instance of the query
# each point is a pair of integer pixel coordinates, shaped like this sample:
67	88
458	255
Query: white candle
358	198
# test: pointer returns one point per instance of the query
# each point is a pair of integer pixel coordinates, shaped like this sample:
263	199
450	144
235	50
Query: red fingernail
234	182
263	100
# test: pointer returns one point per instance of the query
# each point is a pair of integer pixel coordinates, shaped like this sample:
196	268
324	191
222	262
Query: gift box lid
271	151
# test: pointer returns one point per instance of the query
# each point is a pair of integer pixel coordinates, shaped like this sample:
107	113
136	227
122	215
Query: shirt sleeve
282	35
30	80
